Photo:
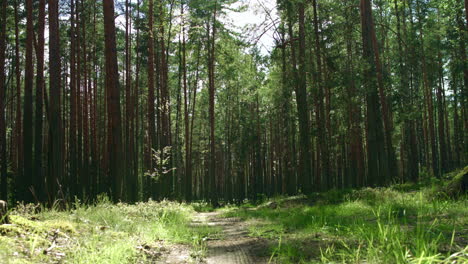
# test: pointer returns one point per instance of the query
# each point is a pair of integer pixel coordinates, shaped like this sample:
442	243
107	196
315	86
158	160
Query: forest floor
404	223
235	246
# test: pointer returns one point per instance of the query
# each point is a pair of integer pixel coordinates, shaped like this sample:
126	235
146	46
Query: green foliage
161	159
101	233
383	225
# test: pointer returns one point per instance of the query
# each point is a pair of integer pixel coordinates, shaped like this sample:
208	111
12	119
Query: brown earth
234	245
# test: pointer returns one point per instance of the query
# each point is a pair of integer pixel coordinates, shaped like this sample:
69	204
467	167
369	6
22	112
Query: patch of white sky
255	22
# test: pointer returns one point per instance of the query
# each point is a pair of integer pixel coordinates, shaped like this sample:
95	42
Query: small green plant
161	159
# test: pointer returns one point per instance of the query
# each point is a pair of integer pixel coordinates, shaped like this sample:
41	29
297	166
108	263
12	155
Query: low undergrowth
101	233
399	224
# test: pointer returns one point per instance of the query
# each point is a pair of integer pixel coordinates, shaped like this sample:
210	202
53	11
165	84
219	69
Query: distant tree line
163	99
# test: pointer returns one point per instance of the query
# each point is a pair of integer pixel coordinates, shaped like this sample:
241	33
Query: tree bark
188	158
18	155
3	143
428	99
323	125
376	154
357	170
38	178
55	136
113	101
73	97
27	175
211	77
151	90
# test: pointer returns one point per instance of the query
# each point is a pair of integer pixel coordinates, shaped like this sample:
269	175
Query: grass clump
99	233
371	225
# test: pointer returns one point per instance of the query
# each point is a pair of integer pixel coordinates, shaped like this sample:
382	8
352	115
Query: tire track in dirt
234	246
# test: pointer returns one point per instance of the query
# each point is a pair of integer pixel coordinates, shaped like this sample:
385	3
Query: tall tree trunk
73	97
188	158
193	104
302	107
79	102
386	112
129	111
113	99
27	174
18	156
288	180
410	170
376	154
457	127
441	116
136	98
94	105
211	72
3	142
464	90
38	178
151	90
85	103
428	99
165	139
357	170
55	136
323	139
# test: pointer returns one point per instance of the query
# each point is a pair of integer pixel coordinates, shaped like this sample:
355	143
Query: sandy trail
234	246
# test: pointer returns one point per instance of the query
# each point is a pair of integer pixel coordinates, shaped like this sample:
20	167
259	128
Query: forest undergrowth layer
404	223
101	233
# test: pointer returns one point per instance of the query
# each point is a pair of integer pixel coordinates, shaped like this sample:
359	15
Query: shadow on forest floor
399	224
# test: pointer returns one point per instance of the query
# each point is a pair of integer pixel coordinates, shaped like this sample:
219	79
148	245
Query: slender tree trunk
441	116
302	108
136	98
376	154
386	112
428	99
165	139
457	129
27	174
151	90
323	139
95	149
79	100
85	104
188	158
357	169
193	112
113	98
129	111
73	97
3	142
464	90
38	178
55	136
18	155
211	62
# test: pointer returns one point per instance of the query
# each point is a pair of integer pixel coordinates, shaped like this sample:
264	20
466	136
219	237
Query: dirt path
234	245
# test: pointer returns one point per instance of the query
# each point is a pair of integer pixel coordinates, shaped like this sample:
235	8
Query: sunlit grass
381	225
100	233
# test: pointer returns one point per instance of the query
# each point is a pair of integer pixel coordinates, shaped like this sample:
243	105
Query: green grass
101	233
383	225
406	223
